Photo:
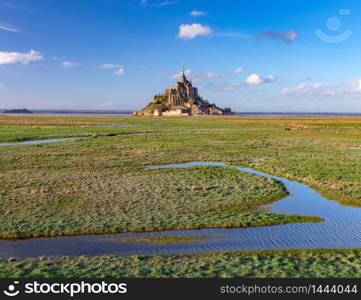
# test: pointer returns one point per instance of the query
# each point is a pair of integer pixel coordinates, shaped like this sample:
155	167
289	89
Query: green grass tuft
164	239
285	263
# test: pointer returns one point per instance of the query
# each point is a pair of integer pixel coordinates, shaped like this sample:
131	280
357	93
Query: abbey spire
183	77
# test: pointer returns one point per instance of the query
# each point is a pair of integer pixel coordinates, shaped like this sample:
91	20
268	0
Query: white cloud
69	64
306	78
252	80
1	85
107	105
325	90
299	89
359	85
317	85
320	85
255	79
176	76
109	66
8	27
270	78
210	75
215	79
119	72
197	13
164	3
233	35
192	31
224	85
157	4
195	77
353	93
18	57
238	70
206	76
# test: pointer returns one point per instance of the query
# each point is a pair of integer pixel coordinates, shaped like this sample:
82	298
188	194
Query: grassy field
68	202
99	184
297	263
315	151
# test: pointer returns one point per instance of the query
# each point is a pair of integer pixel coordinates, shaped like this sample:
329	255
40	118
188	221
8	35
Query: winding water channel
341	229
37	142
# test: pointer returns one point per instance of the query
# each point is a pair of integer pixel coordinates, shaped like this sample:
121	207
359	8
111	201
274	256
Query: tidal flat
99	184
75	202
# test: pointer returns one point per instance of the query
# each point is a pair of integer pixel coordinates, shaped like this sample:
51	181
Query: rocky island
181	100
17	111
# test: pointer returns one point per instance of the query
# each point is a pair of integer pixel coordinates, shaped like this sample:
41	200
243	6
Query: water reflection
36	142
341	229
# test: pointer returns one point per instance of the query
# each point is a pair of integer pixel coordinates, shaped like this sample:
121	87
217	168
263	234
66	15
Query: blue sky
259	55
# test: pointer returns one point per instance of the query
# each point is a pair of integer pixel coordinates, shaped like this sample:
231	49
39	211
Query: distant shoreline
36	112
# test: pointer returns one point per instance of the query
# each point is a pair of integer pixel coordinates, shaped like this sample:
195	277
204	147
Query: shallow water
113	125
36	142
341	229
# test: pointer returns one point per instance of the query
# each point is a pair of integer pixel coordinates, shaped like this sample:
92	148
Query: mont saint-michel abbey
183	89
181	100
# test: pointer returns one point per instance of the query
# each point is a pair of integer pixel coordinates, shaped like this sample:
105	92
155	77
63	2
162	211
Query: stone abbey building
181	100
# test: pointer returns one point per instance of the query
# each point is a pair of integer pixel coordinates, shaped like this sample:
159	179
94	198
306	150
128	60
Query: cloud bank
157	4
197	77
324	90
255	79
189	32
197	13
69	64
118	72
18	57
8	27
109	66
238	70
